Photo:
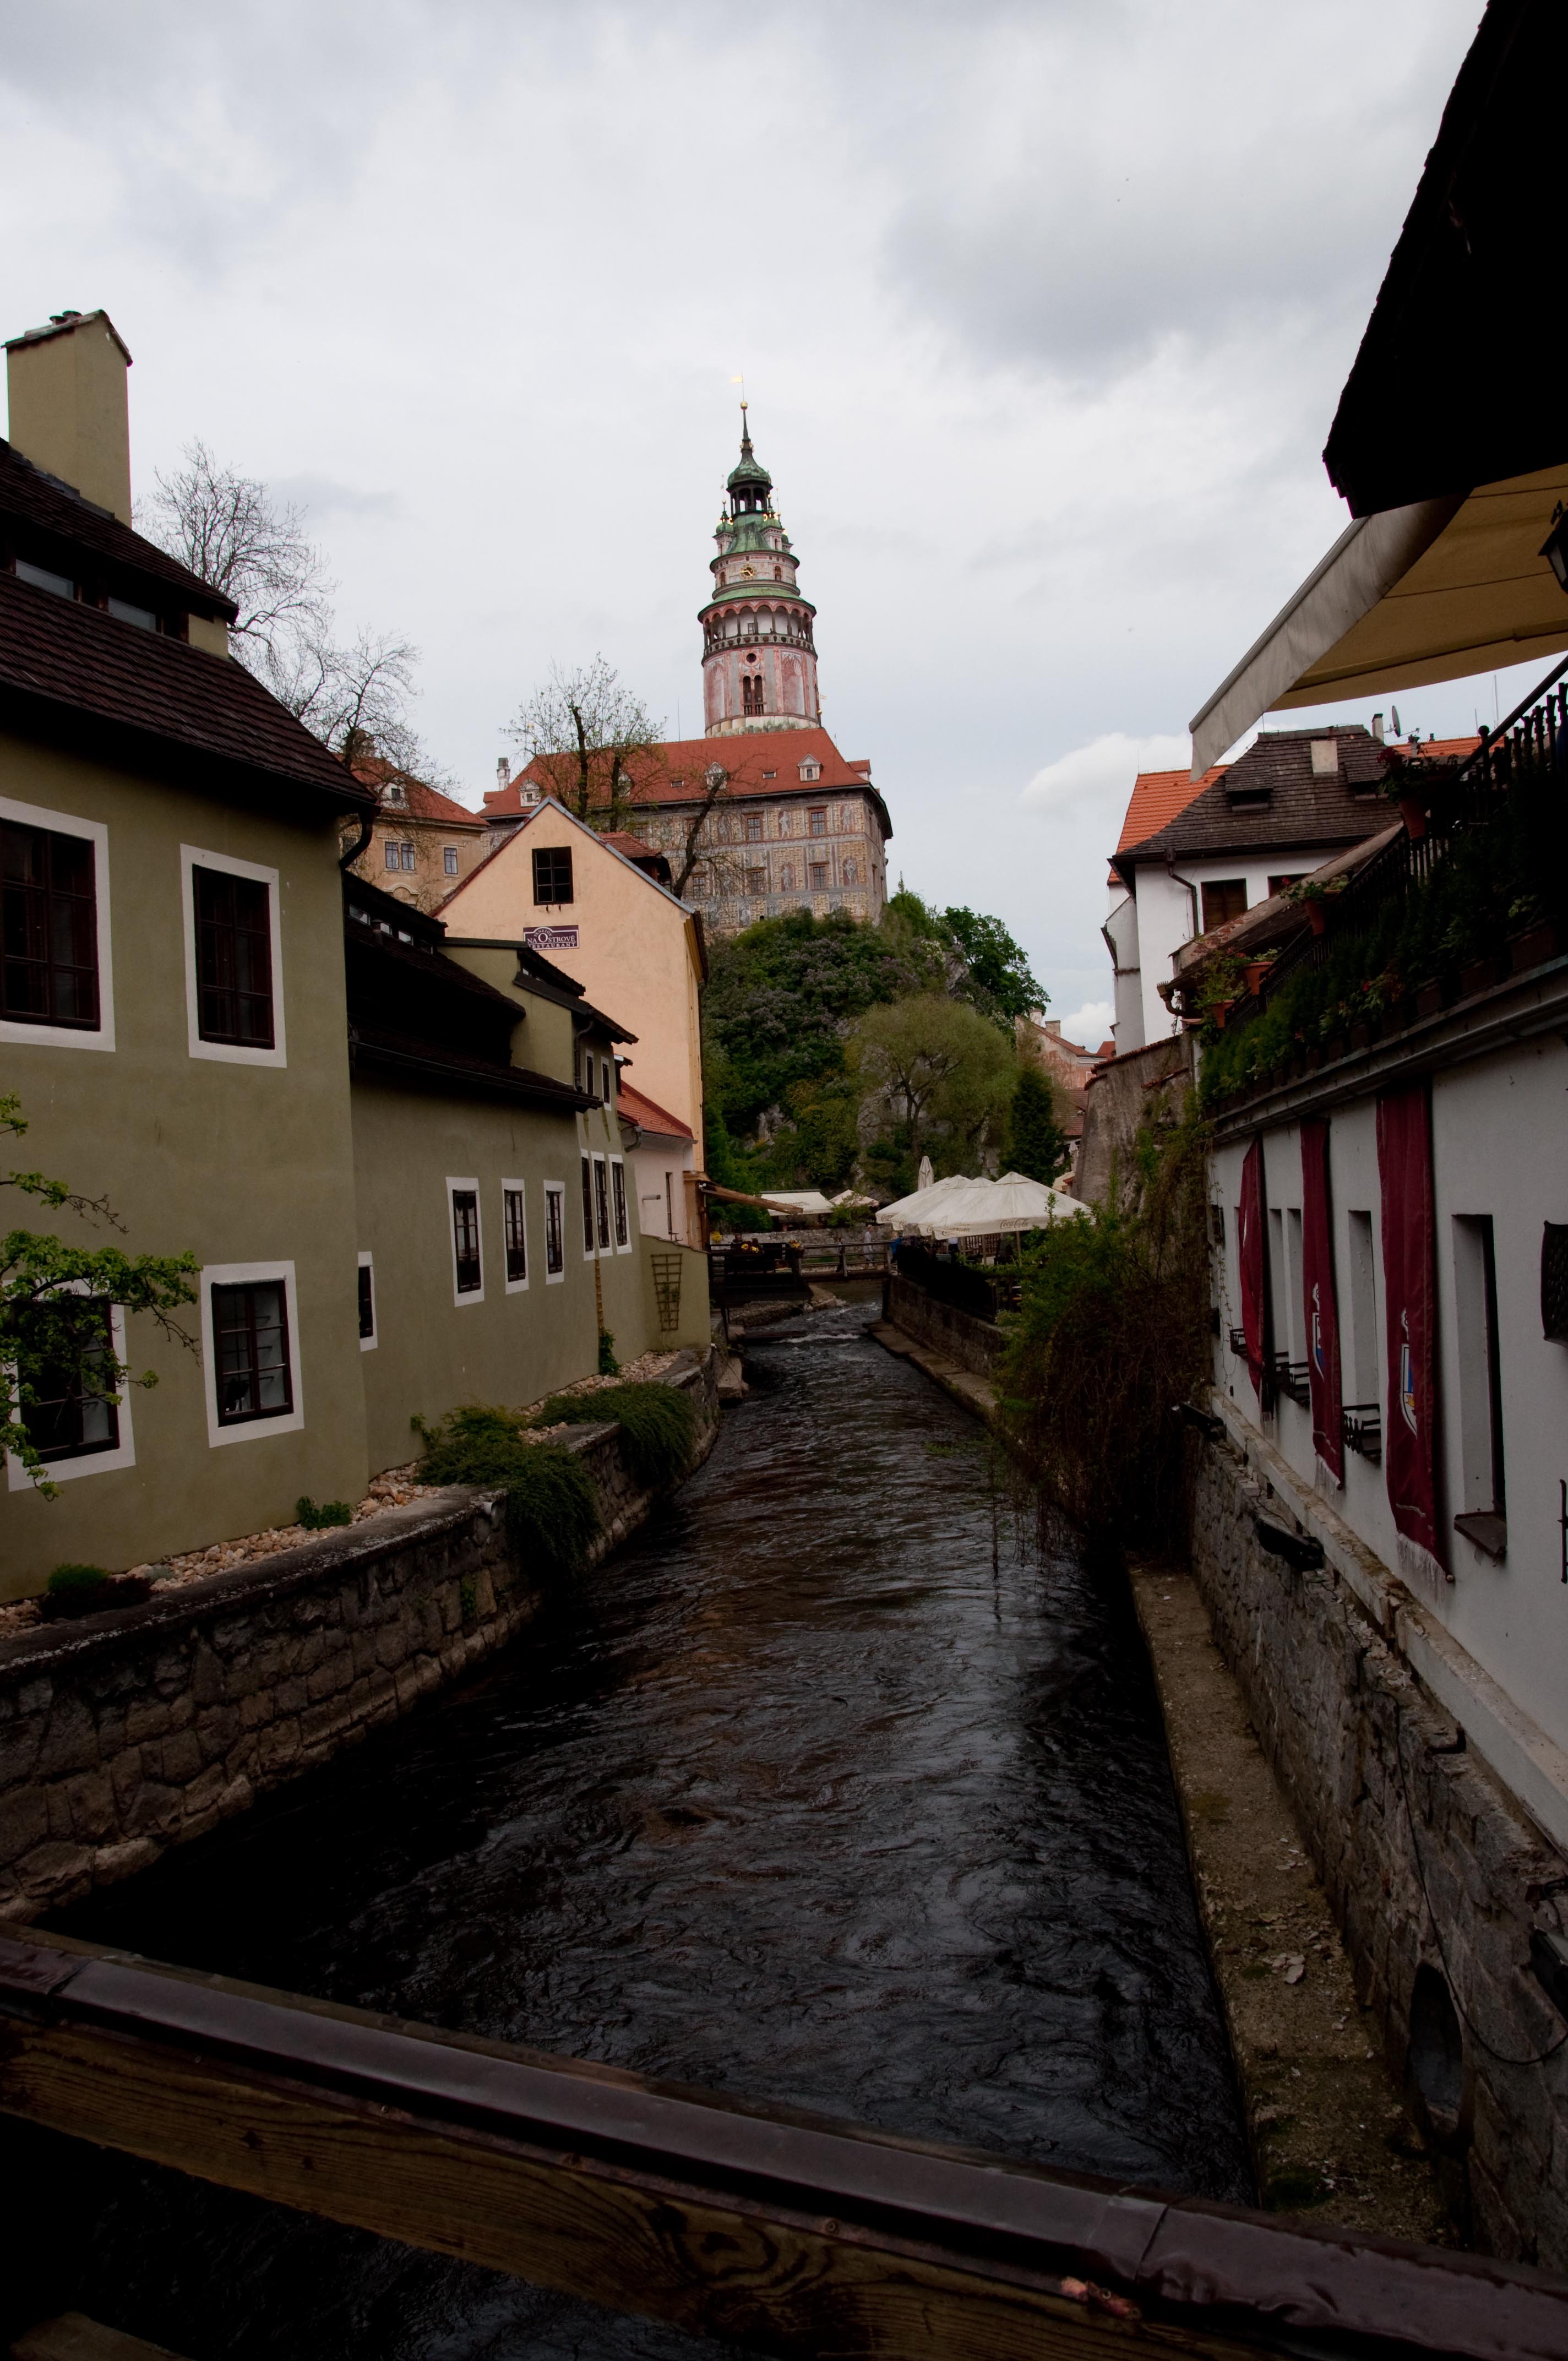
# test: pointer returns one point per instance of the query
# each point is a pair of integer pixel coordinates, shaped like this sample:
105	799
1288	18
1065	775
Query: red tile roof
418	801
645	1113
63	663
760	763
1158	797
632	846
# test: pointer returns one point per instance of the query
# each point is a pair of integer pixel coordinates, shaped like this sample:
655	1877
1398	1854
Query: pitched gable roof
528	814
65	667
33	503
760	763
647	1114
1157	798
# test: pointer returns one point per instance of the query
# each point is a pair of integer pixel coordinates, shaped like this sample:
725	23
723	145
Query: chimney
1377	728
69	414
503	772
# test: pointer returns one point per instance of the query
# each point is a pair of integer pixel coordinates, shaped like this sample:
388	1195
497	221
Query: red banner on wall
1322	1305
1409	1295
1250	1259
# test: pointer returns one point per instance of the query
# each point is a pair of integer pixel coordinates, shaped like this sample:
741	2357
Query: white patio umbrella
906	1213
983	1208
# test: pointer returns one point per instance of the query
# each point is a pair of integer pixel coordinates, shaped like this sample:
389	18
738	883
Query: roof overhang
1433	591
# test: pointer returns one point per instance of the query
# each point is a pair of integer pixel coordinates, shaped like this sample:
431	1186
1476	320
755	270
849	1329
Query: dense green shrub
658	1424
316	1519
551	1507
1112	1329
73	1590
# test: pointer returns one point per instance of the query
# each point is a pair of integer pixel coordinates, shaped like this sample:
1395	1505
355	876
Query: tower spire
758	660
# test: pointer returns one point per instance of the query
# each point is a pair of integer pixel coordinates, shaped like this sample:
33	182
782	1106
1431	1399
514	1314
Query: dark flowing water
839	1788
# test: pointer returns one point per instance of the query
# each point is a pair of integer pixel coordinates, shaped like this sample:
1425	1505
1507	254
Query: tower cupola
759	661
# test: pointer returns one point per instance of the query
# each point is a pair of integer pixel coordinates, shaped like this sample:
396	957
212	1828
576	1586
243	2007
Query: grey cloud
321	498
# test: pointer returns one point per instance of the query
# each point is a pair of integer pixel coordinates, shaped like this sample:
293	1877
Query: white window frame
618	1164
591	1226
606	1245
468	1294
515	1286
557	1189
231	1053
90	1463
368	1344
71	1037
249	1274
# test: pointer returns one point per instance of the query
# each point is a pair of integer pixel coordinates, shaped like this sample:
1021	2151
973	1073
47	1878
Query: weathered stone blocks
1427	1861
122	1735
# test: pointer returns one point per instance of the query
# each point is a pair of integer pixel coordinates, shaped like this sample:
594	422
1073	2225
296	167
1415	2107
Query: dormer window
394	794
811	770
42	578
1246	800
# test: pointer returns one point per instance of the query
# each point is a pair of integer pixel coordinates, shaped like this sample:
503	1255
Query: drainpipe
367	829
1177	879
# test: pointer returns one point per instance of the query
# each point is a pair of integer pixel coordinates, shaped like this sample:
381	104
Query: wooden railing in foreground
787	2233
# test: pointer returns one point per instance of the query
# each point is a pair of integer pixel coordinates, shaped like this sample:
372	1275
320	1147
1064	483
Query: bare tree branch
590	738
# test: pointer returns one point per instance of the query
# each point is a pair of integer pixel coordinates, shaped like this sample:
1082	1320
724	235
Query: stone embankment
974	1345
1434	1871
122	1735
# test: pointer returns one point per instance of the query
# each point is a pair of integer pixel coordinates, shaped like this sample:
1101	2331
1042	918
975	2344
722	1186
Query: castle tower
759	664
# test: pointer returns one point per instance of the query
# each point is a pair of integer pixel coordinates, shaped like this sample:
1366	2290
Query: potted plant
1410	781
1256	969
1314	895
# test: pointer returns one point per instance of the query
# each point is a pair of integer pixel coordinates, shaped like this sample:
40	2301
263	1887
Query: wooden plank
71	2336
741	2272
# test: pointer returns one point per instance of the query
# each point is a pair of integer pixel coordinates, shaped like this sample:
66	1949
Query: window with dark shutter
48	928
465	1240
618	1187
65	1415
552	872
554	1231
587	1207
366	1300
234	958
516	1236
601	1203
1225	898
250	1340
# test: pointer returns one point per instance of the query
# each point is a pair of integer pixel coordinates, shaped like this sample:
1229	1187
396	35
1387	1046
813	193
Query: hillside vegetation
835	1053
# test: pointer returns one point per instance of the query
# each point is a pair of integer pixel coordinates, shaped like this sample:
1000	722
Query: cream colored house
559	888
398	1162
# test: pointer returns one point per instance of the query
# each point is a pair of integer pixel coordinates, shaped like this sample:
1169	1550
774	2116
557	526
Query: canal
842	1788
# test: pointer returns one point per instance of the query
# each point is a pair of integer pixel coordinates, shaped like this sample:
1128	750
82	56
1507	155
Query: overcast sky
1043	309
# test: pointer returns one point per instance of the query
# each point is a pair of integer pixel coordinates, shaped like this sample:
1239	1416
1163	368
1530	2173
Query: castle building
761	814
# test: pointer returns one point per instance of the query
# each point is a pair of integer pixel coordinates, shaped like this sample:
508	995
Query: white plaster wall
1500	1138
1165	914
1121	928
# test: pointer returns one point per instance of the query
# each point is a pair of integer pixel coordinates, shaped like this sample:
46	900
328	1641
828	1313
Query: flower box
1318	916
1479	977
1532	949
1361	1033
1413	813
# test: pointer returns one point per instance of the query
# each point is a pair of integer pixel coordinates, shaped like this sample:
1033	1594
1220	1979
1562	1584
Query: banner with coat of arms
1410	1296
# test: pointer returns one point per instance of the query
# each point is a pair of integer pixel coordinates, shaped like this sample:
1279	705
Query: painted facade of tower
759	662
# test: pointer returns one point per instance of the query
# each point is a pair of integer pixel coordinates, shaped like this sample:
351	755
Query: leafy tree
999	981
934	1061
1036	1144
780	1001
590	738
52	1299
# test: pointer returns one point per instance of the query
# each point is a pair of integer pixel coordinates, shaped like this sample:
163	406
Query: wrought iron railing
1535	734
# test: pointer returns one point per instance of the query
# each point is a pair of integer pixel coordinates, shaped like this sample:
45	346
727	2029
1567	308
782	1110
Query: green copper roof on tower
750	469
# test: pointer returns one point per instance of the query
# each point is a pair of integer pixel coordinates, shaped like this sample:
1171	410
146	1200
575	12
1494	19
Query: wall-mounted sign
551	939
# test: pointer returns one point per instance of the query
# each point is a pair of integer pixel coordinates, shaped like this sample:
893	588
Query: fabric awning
1431	592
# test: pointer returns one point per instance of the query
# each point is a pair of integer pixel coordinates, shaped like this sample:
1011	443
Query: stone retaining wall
124	1734
973	1343
1432	1869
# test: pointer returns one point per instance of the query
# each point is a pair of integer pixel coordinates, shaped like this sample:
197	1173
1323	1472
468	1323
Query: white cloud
1089	1025
1103	769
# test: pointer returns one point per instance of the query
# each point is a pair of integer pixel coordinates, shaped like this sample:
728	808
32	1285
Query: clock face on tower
748	573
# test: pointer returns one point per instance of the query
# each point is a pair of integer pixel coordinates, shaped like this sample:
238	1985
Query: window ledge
1487	1531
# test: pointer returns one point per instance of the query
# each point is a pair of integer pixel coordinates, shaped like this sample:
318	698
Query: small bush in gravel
657	1422
551	1507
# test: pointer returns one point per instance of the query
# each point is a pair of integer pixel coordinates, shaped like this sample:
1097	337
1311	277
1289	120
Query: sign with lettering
551	939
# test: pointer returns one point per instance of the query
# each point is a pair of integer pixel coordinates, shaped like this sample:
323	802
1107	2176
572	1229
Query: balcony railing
1361	1424
1533	738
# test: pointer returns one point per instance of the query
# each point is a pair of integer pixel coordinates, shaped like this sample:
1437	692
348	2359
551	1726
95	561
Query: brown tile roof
760	763
1157	798
631	847
1297	805
34	504
64	665
646	1112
